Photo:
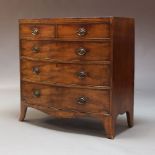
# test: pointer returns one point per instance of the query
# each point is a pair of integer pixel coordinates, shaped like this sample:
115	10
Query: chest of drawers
77	67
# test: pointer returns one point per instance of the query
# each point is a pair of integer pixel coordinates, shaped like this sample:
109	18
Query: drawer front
29	31
83	100
66	51
88	31
97	75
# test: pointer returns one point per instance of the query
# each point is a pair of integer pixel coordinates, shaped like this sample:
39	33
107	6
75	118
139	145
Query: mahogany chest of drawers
77	67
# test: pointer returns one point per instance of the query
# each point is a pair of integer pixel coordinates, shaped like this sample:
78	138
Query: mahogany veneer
73	67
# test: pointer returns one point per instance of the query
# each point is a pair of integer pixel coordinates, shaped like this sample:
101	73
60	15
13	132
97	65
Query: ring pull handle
81	51
81	32
35	31
36	70
36	93
35	49
82	100
81	74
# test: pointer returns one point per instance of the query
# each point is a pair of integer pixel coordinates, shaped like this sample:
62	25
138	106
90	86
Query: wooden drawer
86	74
39	31
78	31
66	51
83	100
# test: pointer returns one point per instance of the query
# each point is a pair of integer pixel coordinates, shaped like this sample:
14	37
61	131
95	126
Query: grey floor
43	135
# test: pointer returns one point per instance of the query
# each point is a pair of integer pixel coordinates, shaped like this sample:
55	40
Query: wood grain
66	98
65	20
93	30
123	62
66	51
44	31
97	75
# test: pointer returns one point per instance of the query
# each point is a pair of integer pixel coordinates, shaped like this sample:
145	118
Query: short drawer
39	31
66	51
88	31
68	73
75	99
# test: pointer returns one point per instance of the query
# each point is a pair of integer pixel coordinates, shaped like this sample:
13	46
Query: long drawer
67	73
80	74
82	100
66	51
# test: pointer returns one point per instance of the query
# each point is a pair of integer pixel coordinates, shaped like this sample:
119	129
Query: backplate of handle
81	74
36	93
36	70
81	32
35	49
35	31
82	100
81	51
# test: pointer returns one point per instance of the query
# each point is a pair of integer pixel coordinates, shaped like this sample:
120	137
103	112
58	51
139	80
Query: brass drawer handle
82	100
35	49
82	74
36	93
81	32
81	51
35	31
36	70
